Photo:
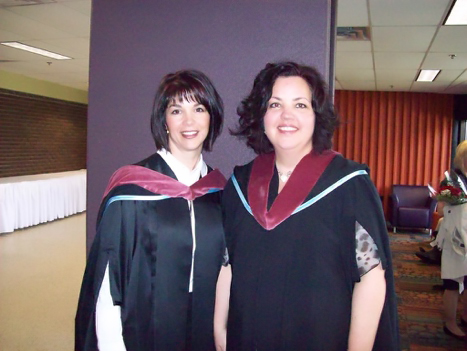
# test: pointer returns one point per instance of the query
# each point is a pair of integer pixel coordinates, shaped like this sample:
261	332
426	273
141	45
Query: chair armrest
432	202
395	207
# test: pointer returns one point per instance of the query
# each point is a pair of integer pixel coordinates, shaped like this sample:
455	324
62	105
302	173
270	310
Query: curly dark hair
253	108
190	85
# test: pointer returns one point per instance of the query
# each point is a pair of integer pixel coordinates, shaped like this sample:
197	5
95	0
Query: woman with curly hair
310	266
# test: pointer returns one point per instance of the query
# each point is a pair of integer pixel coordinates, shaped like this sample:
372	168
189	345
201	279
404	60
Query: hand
220	339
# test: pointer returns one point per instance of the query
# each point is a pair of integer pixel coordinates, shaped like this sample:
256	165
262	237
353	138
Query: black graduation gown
292	285
148	245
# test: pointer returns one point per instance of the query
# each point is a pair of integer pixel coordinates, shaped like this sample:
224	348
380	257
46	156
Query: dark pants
450	284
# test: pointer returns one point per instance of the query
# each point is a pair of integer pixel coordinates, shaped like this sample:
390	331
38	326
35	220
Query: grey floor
41	268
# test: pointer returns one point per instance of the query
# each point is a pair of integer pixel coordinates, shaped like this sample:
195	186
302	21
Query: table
33	199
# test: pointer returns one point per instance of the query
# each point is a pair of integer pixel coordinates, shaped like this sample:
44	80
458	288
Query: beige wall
18	82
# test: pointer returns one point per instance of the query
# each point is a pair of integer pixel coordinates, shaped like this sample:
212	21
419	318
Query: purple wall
134	43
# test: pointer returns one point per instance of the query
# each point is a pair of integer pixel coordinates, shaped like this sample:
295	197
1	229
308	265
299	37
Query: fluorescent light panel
458	14
17	45
427	75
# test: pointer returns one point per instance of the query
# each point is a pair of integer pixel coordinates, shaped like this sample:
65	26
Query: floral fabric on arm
366	250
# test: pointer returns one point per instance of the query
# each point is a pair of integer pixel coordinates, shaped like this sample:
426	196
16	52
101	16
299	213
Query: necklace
284	177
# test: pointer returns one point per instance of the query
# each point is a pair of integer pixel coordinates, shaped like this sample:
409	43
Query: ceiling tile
354	60
429	86
354	74
82	6
352	13
396	61
56	16
76	47
407	12
399	39
448	75
353	46
10	36
28	28
393	85
31	67
83	64
361	85
443	61
450	39
462	78
403	75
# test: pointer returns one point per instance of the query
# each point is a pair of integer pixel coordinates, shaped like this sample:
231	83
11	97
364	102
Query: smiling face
188	126
289	121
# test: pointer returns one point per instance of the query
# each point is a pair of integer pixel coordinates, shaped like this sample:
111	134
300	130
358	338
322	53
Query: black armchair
412	207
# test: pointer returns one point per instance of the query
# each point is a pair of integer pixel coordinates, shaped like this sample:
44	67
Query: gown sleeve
368	212
229	212
112	246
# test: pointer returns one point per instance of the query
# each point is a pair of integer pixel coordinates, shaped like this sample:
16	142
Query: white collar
183	173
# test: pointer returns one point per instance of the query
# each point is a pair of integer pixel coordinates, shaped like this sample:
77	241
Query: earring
167	131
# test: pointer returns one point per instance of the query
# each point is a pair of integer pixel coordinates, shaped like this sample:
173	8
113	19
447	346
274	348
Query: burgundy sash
159	183
295	191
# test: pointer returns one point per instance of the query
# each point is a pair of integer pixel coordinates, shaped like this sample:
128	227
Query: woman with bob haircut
452	240
309	258
151	273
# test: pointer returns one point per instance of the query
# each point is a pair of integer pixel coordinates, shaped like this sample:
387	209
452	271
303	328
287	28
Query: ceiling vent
353	33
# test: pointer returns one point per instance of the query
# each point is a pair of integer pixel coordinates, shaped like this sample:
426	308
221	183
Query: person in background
151	273
432	256
452	240
309	259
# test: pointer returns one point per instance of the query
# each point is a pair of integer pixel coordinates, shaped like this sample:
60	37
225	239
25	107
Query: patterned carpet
418	287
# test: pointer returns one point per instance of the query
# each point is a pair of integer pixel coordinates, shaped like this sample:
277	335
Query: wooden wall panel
405	138
40	134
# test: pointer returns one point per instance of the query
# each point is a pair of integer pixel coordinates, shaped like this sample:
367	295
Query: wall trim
21	83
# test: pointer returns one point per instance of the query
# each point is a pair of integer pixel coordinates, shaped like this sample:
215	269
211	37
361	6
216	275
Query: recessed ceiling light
427	75
17	45
458	14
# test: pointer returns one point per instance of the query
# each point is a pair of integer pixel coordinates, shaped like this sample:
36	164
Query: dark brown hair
253	108
189	85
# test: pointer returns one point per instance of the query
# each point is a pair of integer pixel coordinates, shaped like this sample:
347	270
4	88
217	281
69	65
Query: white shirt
183	173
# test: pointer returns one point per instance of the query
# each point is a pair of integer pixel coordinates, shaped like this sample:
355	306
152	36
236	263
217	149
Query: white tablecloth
34	199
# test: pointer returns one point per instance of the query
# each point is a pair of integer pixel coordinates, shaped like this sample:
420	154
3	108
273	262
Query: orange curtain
405	138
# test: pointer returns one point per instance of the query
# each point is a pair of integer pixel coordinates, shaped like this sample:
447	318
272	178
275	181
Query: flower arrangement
451	194
450	191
